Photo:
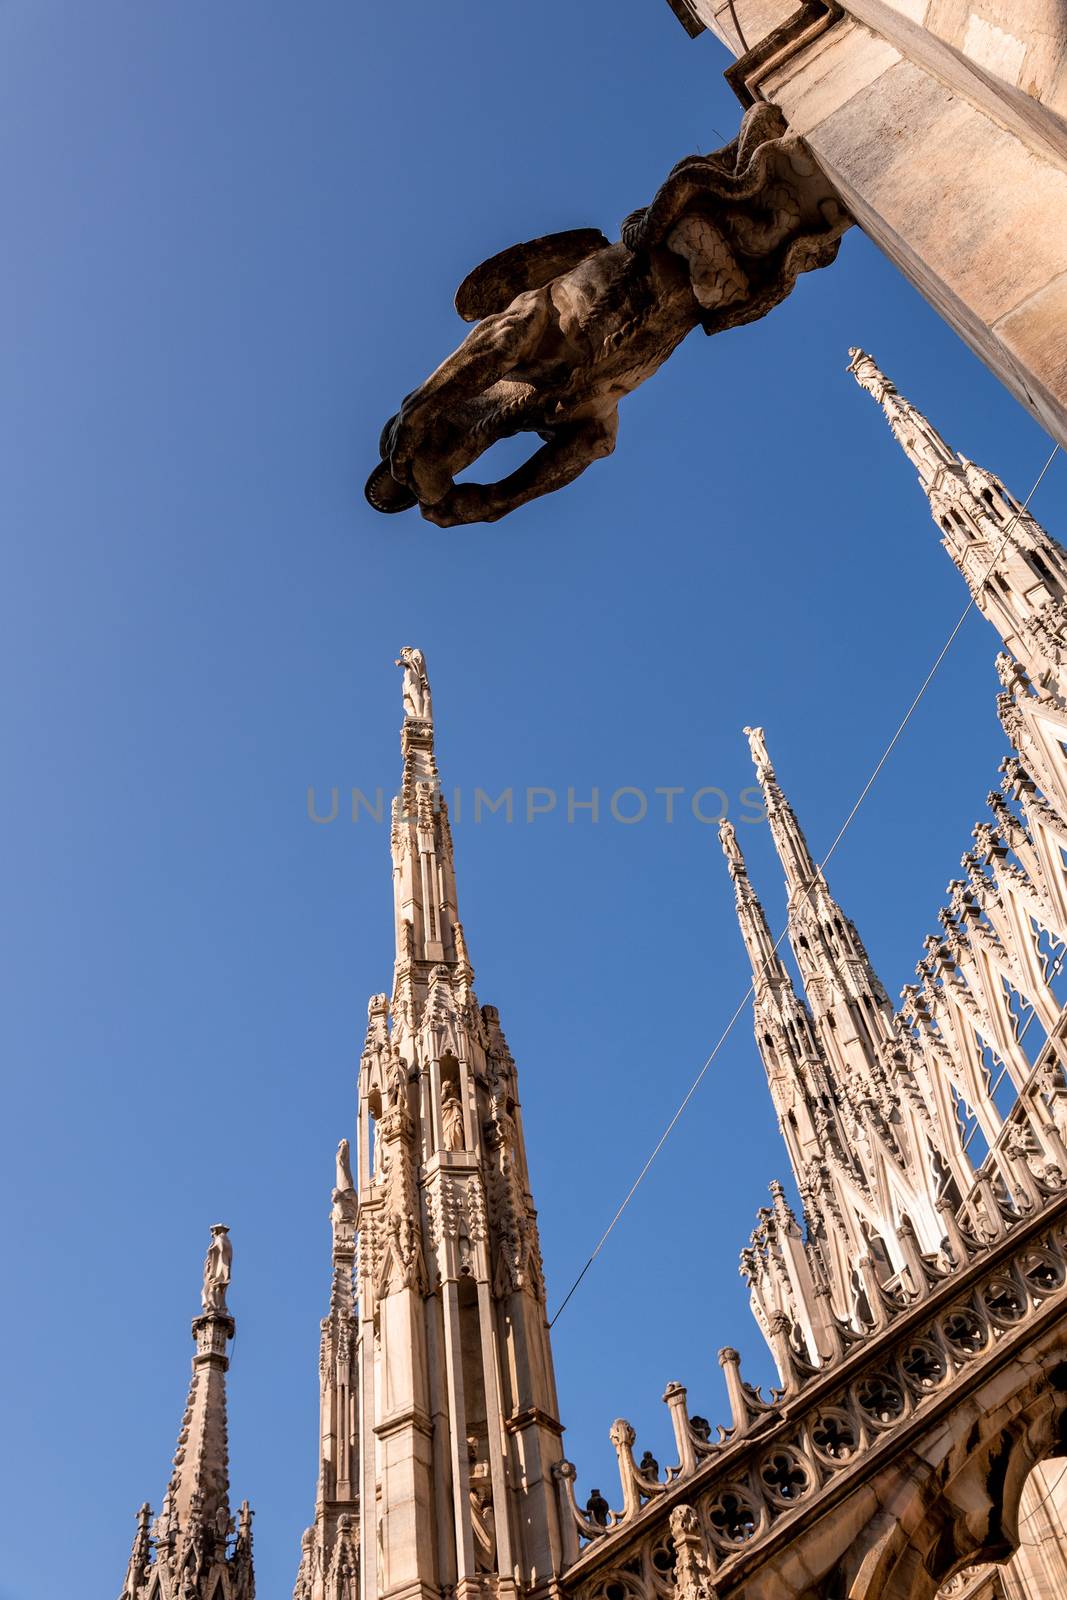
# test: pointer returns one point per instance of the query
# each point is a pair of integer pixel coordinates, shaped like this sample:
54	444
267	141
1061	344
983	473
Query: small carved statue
597	1509
484	1526
570	323
344	1168
757	743
417	702
398	1082
451	1117
217	1269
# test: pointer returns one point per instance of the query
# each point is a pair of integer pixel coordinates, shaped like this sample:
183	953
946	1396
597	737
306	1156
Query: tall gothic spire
917	437
1016	571
455	1437
797	860
189	1547
796	1069
852	1013
841	1074
329	1561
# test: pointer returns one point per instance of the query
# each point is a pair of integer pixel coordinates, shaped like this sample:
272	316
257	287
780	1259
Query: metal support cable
740	36
864	792
1046	1497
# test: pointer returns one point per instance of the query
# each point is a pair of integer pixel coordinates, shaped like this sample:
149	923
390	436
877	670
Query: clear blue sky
232	237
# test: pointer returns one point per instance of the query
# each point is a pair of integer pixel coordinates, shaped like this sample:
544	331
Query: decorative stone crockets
916	1307
1015	570
453	1431
194	1550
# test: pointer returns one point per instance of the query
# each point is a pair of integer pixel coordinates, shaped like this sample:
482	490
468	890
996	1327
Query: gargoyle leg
487	354
565	457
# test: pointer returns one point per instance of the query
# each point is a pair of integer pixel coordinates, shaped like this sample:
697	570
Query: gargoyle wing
494	285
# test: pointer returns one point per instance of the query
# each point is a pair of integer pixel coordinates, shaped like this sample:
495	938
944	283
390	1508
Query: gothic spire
796	1070
918	438
1016	571
424	878
834	964
789	841
191	1536
841	1075
767	967
199	1483
439	1433
329	1554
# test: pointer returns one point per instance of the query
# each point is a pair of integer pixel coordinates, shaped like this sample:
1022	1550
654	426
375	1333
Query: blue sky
233	237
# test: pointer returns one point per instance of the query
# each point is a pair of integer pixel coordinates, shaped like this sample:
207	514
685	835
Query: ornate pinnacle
789	840
140	1555
199	1487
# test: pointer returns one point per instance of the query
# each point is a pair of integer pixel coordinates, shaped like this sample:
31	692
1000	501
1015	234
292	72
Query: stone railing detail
781	1452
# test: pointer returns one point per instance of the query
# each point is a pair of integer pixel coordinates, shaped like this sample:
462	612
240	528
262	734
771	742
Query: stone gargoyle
570	323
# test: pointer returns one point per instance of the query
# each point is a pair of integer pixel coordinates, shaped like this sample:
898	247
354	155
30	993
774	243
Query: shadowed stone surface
572	323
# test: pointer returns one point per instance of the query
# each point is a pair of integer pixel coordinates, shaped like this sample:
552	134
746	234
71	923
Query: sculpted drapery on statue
217	1264
569	324
417	701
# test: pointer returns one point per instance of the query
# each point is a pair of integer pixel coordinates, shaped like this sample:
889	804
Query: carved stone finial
692	1574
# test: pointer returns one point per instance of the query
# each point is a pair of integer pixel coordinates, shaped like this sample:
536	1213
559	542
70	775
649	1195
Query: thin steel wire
1046	1497
864	792
741	38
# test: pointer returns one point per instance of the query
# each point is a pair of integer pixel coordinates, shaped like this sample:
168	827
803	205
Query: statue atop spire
191	1538
419	789
417	701
757	744
217	1264
732	850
